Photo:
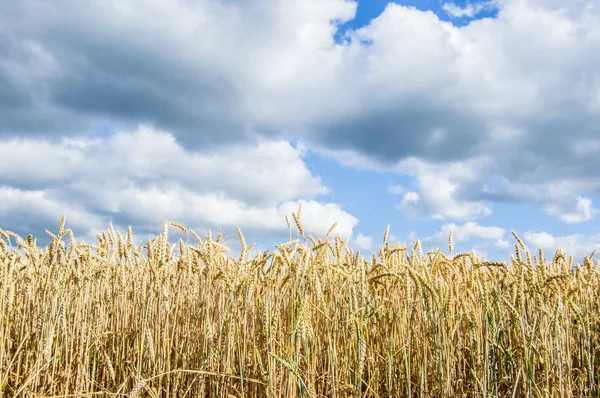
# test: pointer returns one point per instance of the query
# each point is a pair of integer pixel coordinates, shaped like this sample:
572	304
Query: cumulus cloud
471	230
317	217
213	72
531	122
437	197
578	245
469	234
150	156
514	98
32	211
541	239
223	70
580	211
364	242
144	175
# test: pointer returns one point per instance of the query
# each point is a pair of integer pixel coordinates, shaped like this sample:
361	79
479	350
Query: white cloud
410	204
465	190
470	10
580	211
145	174
438	184
437	197
465	237
364	242
578	245
502	244
470	230
317	217
524	63
540	239
253	173
29	207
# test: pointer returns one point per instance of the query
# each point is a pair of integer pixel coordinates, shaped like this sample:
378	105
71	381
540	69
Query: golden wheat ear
314	318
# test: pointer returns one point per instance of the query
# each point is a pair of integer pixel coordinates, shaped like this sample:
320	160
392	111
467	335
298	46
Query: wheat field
311	319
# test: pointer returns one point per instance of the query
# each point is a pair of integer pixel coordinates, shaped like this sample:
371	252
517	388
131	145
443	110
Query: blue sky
472	116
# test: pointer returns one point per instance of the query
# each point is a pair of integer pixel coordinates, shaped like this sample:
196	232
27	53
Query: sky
476	117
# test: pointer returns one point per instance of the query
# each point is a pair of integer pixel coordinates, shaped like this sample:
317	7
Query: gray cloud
516	98
404	130
222	71
195	68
